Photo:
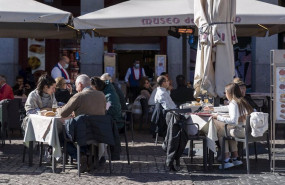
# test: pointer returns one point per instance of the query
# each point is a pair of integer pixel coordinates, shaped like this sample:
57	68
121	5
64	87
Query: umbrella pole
184	55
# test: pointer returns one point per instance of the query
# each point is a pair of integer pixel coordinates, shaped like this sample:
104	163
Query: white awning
154	17
29	18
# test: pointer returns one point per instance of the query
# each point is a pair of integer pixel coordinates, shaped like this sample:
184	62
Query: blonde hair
60	81
106	76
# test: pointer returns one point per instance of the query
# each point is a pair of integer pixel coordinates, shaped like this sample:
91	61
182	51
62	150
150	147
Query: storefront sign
172	21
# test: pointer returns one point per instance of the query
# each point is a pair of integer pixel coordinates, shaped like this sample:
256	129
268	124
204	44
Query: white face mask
66	66
137	65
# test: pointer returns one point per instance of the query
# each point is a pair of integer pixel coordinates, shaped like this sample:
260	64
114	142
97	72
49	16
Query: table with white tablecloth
43	129
206	125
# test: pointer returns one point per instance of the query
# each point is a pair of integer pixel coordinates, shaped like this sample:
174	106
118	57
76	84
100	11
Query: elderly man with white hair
87	101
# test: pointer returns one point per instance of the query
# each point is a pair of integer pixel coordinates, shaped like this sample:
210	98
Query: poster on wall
110	64
36	54
160	64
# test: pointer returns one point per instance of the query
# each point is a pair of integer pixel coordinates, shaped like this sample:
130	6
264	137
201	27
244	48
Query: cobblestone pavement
147	167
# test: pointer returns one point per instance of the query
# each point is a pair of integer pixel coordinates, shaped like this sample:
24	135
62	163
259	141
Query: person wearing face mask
59	69
132	78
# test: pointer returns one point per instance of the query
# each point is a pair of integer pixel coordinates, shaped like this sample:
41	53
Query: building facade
14	52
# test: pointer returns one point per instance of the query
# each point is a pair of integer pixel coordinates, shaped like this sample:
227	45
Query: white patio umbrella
31	19
215	59
154	17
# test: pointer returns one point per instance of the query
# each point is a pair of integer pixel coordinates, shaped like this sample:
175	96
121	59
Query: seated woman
145	88
42	98
238	109
63	92
113	103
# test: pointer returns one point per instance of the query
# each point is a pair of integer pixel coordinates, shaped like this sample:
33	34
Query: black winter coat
101	128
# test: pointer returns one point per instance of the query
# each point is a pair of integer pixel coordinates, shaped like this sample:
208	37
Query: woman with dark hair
113	103
145	88
238	109
42	98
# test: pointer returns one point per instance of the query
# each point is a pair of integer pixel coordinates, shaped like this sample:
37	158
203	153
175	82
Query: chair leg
205	151
156	138
223	153
78	160
211	158
247	158
109	156
31	153
64	156
268	146
191	149
132	125
127	147
41	153
255	151
24	153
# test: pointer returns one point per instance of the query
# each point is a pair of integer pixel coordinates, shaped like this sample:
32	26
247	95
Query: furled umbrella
215	58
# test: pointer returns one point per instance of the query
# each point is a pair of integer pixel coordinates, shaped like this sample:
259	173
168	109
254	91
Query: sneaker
237	161
228	164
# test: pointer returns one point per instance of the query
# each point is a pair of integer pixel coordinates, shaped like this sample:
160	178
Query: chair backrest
14	107
4	113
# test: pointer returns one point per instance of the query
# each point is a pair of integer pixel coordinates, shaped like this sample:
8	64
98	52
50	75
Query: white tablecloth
206	124
43	129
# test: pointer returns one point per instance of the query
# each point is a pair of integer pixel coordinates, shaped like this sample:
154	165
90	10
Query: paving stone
147	167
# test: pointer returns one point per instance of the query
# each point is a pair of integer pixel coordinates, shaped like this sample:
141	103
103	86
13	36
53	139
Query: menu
280	93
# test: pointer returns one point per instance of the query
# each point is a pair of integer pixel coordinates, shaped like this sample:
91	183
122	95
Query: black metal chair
64	153
99	129
198	137
10	111
248	139
128	120
126	138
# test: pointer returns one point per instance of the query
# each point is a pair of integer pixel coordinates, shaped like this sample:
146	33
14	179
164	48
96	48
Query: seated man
86	101
182	94
162	96
6	91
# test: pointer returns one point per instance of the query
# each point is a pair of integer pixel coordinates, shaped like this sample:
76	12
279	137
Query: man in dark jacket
181	94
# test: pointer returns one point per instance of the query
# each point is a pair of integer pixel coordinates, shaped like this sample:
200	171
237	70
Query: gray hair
84	80
106	76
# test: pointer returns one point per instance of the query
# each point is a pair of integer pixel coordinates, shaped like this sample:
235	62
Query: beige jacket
89	101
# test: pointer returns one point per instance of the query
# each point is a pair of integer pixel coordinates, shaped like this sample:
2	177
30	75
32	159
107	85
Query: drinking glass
198	99
54	107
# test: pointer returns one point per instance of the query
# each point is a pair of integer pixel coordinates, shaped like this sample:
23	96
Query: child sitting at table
238	109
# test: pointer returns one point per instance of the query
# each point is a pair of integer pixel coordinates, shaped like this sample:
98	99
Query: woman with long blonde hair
238	109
